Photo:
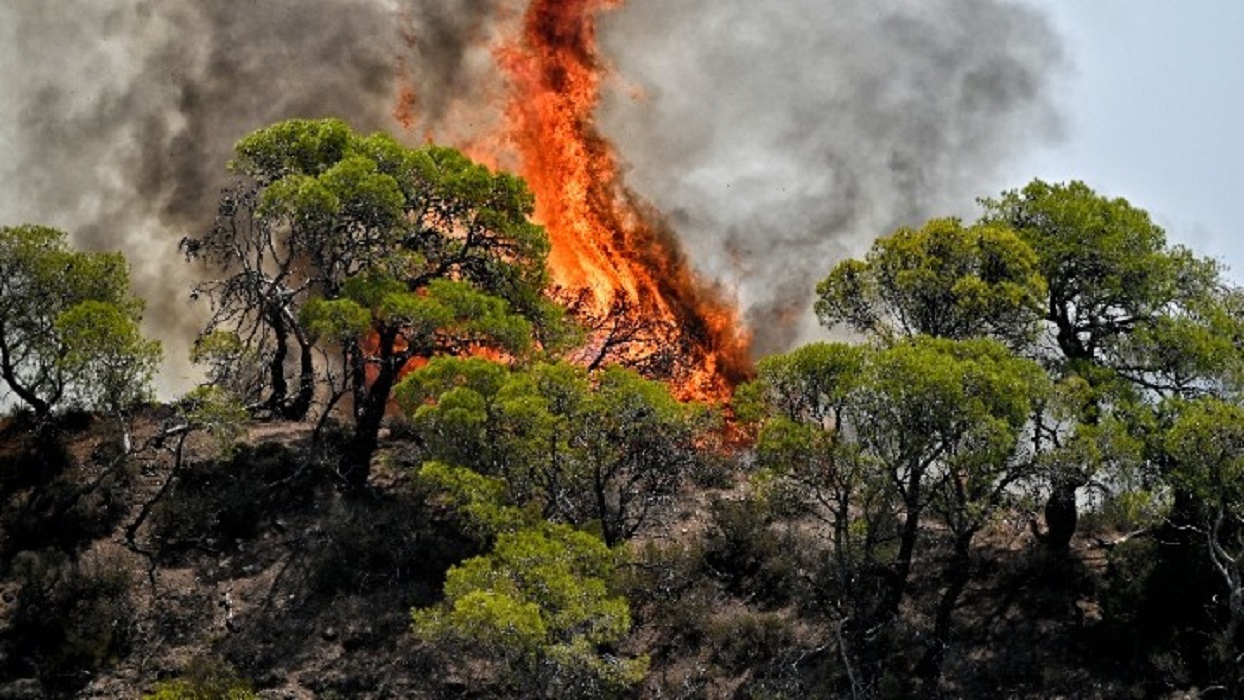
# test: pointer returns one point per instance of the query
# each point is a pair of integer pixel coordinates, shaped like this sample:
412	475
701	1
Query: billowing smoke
782	137
118	117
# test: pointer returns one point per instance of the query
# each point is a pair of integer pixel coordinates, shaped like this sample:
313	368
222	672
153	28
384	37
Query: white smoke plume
782	137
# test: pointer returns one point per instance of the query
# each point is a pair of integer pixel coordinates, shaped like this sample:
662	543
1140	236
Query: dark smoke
118	117
782	137
779	136
453	76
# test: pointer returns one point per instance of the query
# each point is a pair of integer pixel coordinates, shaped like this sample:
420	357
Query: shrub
391	541
204	679
71	618
231	501
749	640
747	555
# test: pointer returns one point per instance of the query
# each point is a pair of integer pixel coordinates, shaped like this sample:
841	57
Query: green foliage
1132	563
603	450
216	411
443	317
1085	284
294	146
810	382
946	389
367	204
73	616
69	325
960	404
336	319
1104	255
481	499
1118	295
385	253
186	690
539	607
942	280
230	364
1207	442
1107	444
745	552
204	679
1136	391
111	364
878	439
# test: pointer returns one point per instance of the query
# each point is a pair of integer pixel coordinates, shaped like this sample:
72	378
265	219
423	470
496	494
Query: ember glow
614	260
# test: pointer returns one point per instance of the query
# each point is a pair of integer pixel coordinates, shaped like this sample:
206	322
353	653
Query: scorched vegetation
410	473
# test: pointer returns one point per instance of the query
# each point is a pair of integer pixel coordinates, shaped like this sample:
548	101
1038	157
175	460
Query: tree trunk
356	462
1061	514
370	404
276	366
901	570
929	670
301	405
9	373
610	528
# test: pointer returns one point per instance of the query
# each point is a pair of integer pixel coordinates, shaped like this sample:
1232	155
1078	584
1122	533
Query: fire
613	256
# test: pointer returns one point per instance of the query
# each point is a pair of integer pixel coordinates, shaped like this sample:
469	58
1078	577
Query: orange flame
610	250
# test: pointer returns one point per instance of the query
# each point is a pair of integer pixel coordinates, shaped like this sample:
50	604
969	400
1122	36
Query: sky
1154	113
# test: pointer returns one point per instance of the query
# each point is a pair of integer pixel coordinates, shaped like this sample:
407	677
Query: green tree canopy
69	325
1135	319
605	449
1206	442
382	253
1117	291
538	610
880	439
943	279
539	606
1086	284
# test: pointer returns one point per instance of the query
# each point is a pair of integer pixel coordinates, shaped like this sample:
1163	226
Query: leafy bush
32	455
670	596
50	499
1159	591
392	541
204	679
749	640
71	618
230	501
539	607
1127	510
743	551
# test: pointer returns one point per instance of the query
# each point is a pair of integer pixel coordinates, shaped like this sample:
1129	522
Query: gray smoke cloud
779	136
118	117
783	137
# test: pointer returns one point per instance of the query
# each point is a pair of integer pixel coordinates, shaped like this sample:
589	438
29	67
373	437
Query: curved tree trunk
300	406
900	571
371	400
41	407
276	365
